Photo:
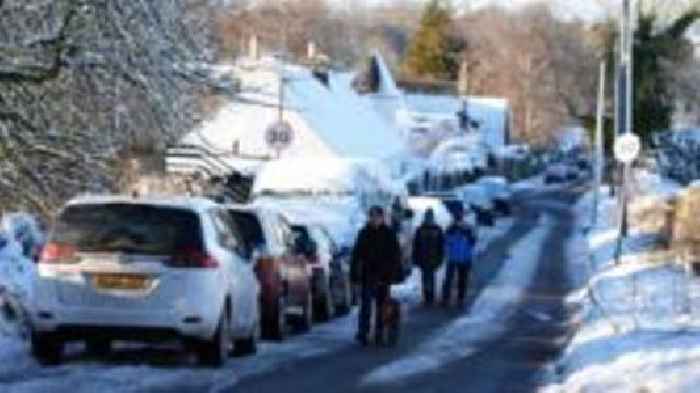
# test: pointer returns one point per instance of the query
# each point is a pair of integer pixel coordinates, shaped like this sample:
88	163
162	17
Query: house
425	120
325	117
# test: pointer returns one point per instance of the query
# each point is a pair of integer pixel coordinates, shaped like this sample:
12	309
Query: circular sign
627	148
279	135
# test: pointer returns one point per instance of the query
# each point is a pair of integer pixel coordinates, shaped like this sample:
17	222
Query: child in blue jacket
459	248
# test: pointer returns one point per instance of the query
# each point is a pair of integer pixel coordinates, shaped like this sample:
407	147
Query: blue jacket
459	244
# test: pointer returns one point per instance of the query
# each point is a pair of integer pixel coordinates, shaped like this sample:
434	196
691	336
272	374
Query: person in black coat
428	253
376	261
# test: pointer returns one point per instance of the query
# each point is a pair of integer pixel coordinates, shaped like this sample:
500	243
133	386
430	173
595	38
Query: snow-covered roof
193	203
327	120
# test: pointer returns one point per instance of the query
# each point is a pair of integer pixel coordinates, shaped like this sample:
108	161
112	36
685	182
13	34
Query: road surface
512	361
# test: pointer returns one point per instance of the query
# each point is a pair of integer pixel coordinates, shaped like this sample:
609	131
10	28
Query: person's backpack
459	245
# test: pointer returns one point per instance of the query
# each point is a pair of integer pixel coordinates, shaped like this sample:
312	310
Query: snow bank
20	240
639	322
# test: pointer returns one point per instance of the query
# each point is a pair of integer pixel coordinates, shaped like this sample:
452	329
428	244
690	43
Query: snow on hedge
638	321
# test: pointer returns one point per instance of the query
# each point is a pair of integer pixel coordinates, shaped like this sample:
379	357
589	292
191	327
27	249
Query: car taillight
191	257
58	253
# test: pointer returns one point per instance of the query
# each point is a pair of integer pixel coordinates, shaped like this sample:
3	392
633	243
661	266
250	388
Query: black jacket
428	246
376	257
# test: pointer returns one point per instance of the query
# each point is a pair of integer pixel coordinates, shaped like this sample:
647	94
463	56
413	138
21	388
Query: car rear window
129	228
249	227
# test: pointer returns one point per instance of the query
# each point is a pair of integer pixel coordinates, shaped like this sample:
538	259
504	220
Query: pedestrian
428	253
376	259
460	242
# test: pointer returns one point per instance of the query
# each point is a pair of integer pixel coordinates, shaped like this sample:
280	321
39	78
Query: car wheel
275	320
99	347
306	320
46	349
324	304
343	308
214	352
249	345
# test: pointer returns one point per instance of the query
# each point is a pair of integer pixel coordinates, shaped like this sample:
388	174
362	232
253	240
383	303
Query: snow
535	182
341	216
328	121
638	324
19	241
493	114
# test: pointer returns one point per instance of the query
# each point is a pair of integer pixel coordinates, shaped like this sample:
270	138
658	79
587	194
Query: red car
281	266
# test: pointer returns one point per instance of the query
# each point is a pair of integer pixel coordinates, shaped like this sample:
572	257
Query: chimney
253	51
310	50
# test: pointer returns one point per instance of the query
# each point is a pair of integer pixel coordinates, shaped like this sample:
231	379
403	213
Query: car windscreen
249	227
128	228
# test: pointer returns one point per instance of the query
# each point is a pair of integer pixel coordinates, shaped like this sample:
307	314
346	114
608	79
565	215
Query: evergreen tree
433	52
656	54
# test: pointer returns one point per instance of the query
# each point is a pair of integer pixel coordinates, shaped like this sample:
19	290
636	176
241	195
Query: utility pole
625	101
599	158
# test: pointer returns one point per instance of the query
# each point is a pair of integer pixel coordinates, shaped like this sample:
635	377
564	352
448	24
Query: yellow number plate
120	281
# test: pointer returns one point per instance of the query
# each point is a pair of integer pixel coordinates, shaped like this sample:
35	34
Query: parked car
477	198
499	192
452	201
280	266
572	173
556	173
319	268
339	281
121	268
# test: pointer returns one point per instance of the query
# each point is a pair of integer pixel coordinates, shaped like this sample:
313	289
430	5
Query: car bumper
181	323
59	304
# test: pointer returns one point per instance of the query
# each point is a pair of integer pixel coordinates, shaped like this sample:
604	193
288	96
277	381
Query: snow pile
19	242
638	322
341	216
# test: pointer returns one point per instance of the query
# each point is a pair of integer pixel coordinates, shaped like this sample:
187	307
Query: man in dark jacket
459	246
376	260
428	253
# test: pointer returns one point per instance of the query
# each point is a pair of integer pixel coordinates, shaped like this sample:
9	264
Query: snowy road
503	344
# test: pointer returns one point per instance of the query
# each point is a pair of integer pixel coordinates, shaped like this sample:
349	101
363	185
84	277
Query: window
227	233
131	228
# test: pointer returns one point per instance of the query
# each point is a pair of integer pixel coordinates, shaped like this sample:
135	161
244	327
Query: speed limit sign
279	135
627	148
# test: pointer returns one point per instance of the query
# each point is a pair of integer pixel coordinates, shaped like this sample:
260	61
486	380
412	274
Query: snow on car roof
194	203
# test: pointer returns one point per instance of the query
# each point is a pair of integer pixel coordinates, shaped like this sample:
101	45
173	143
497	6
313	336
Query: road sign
627	147
279	135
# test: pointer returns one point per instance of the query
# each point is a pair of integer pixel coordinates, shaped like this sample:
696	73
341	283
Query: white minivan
121	268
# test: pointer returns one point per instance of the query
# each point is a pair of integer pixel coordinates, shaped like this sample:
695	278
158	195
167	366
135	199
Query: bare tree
84	81
544	66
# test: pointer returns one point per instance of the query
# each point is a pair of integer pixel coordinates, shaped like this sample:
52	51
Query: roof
342	123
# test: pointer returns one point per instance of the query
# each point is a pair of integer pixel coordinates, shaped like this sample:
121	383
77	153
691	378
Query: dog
391	317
